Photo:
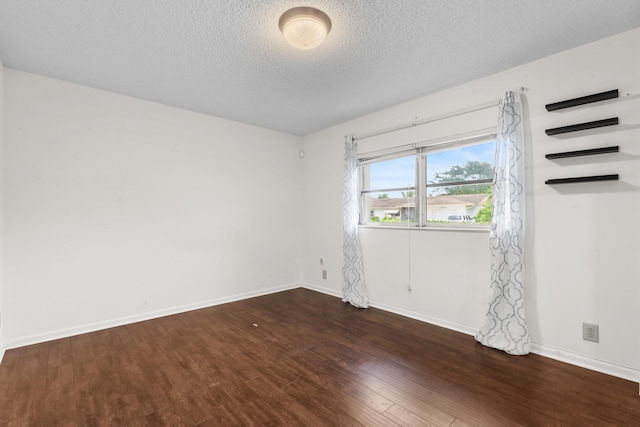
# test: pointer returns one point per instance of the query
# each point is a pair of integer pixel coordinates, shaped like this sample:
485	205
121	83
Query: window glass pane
466	163
394	173
384	209
466	207
460	204
394	202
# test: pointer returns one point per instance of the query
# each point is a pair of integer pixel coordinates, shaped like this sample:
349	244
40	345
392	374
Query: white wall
1	209
582	262
118	209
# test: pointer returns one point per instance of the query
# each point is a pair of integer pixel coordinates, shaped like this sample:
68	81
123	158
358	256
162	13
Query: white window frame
420	150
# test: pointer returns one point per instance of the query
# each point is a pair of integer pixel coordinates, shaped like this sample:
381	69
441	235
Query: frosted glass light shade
305	27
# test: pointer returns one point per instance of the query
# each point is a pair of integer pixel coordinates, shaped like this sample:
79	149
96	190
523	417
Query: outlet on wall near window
324	274
590	332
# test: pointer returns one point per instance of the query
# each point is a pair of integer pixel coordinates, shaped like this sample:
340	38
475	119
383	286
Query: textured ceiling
227	58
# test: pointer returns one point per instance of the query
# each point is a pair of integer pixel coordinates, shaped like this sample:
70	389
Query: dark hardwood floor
298	358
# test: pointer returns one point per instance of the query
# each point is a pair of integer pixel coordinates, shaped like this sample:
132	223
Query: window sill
470	228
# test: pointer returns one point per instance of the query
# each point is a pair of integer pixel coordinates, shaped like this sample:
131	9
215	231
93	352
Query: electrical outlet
324	274
590	332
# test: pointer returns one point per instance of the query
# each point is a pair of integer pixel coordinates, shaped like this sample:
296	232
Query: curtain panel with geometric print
505	327
353	285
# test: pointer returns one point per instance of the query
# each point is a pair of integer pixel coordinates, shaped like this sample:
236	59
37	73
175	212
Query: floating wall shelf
591	152
613	177
582	100
583	126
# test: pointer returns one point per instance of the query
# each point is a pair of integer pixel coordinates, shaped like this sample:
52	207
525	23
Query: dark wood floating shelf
583	126
582	100
591	152
614	177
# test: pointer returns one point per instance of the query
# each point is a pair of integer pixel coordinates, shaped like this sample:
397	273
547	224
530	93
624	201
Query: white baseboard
542	350
322	290
466	329
92	327
1	353
458	327
586	362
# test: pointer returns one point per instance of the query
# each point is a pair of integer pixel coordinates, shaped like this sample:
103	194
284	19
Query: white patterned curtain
353	286
505	327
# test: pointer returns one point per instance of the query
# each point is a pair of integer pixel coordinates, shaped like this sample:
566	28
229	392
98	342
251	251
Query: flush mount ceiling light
305	27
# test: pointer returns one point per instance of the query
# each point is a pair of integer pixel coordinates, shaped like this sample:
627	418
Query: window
429	185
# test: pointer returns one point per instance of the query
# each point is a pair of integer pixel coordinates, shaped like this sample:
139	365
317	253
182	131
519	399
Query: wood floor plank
278	398
60	408
82	356
29	404
91	400
341	390
316	400
60	400
298	358
403	417
344	365
458	423
431	406
10	371
189	411
441	404
139	421
222	416
59	352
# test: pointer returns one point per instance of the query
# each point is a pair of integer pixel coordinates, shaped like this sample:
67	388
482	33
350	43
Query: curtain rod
477	135
425	121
